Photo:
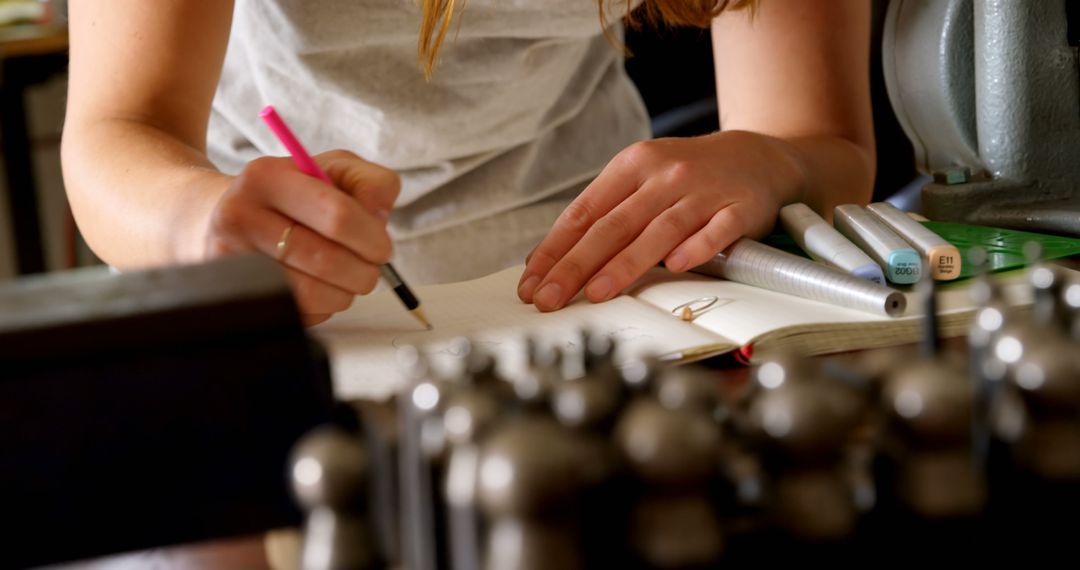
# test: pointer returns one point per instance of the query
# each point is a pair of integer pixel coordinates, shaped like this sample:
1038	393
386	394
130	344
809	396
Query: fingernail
677	262
600	289
548	297
528	285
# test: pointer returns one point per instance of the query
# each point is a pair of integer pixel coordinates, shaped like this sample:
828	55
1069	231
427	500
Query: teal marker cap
904	266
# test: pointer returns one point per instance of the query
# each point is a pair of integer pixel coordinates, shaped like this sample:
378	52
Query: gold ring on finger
283	241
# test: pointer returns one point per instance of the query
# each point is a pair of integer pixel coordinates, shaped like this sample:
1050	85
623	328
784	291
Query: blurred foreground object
150	408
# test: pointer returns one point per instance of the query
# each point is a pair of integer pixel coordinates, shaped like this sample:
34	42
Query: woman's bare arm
142	78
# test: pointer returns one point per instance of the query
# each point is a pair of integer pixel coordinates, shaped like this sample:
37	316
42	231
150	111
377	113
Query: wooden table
245	552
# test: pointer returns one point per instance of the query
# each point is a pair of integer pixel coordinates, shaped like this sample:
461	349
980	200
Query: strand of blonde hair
434	25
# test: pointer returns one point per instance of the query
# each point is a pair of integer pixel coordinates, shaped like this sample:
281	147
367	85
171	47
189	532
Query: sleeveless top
528	100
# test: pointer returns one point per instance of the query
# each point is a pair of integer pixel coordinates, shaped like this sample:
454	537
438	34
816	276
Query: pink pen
308	166
300	156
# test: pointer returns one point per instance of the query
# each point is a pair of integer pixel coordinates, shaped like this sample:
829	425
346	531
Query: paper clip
690	310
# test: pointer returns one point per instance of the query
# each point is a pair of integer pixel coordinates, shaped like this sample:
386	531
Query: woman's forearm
821	171
141	197
834	171
798	70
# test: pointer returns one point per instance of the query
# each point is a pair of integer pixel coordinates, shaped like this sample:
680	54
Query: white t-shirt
529	101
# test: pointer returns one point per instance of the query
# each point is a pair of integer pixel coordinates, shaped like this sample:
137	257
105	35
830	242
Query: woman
520	128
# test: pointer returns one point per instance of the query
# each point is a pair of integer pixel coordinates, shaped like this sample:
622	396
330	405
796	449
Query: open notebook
362	341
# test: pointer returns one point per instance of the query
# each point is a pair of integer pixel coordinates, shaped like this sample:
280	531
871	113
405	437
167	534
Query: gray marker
943	257
901	263
747	261
822	242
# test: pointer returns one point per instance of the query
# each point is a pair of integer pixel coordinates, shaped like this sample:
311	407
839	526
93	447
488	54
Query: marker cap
904	266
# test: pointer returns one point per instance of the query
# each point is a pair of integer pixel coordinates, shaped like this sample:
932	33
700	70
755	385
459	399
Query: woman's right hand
337	239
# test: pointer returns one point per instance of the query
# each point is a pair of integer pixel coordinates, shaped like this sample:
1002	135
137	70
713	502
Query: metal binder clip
691	310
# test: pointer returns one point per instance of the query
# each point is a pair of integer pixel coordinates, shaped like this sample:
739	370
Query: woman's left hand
680	200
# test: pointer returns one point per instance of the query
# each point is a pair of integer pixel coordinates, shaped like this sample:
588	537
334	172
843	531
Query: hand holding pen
331	240
310	167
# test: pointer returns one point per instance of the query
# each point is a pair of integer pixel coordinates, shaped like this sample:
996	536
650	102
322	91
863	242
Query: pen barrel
867	231
390	276
824	243
899	261
752	263
911	231
392	279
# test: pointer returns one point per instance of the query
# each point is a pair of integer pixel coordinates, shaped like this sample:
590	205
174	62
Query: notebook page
744	313
362	341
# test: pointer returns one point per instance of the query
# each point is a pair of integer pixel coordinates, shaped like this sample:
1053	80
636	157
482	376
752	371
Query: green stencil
1005	248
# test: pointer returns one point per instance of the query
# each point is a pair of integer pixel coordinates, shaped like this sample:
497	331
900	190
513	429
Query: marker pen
901	263
942	256
822	242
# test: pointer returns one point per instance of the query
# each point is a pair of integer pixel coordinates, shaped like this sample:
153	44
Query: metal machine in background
988	91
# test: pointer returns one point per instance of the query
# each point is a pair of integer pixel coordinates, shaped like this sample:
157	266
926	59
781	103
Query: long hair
437	15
